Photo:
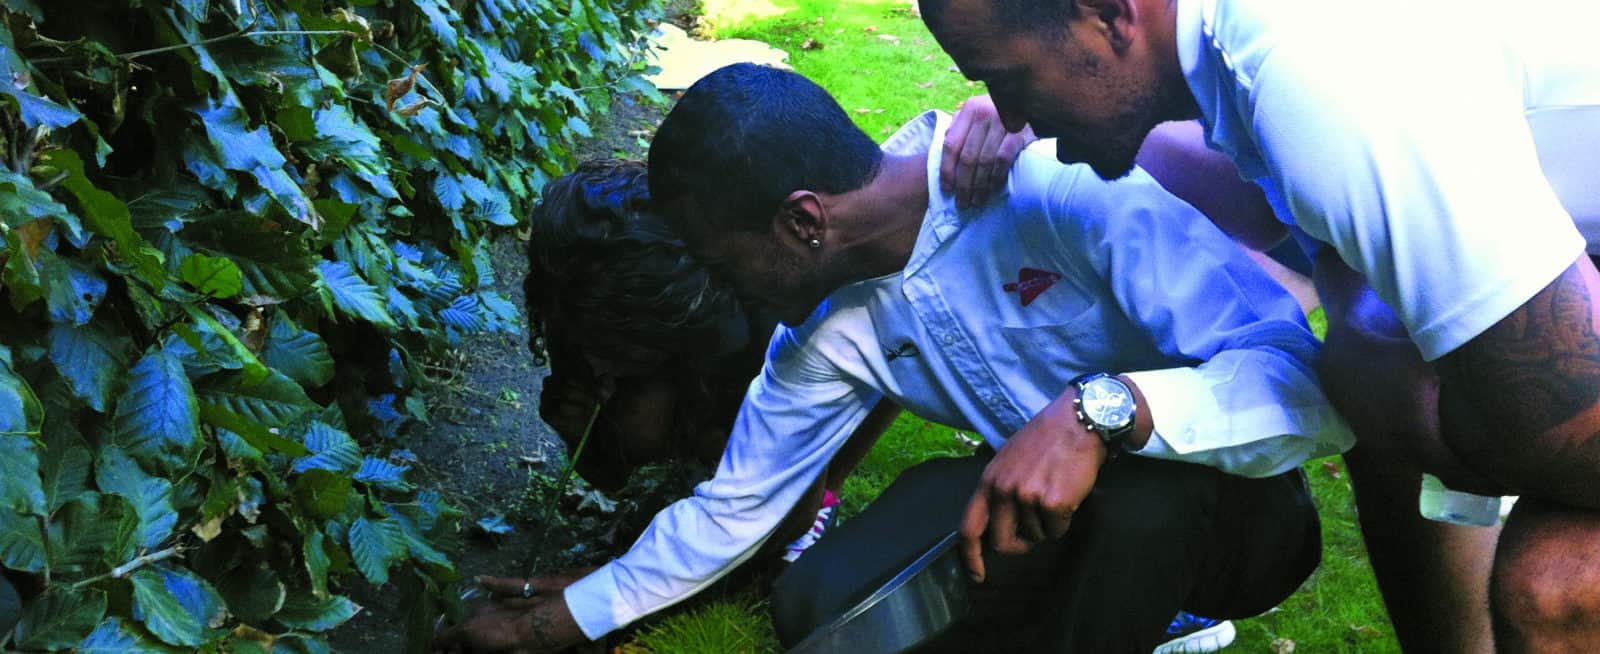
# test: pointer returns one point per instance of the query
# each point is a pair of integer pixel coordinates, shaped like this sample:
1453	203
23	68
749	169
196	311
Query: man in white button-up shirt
1207	511
1446	152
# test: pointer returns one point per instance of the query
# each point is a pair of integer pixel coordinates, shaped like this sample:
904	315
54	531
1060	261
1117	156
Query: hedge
233	231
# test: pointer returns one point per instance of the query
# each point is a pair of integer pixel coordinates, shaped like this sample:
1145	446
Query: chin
1107	165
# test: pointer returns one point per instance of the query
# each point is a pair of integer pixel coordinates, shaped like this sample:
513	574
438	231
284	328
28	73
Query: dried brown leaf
925	85
870	29
410	111
1282	646
399	87
810	44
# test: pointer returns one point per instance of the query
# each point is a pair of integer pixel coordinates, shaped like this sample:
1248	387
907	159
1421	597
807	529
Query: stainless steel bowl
909	610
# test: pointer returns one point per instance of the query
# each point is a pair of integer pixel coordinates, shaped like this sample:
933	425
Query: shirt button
949	338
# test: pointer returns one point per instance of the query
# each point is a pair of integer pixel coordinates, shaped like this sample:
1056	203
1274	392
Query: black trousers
1152	538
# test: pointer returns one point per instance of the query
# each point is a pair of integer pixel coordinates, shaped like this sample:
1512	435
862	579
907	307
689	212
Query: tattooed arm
1521	402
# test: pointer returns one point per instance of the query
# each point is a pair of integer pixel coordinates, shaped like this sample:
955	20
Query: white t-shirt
1446	148
998	308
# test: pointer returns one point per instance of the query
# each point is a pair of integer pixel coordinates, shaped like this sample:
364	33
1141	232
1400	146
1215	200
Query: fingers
955	140
1055	523
1010	146
1030	526
973	524
977	156
1003	525
504	586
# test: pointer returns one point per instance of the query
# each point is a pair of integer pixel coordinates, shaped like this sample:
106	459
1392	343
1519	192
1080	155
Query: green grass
1337	611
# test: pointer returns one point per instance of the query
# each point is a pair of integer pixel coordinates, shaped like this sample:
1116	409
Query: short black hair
743	138
603	265
1010	15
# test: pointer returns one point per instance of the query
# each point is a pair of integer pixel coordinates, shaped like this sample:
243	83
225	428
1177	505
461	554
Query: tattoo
1536	368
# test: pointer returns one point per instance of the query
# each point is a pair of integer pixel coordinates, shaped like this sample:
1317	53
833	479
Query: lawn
884	68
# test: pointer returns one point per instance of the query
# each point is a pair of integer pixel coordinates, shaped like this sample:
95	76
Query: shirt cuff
1177	398
595	603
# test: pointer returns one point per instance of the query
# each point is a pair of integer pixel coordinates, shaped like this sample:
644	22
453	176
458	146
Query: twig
44	528
572	461
128	568
242	34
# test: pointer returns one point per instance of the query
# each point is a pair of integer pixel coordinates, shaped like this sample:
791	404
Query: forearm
1253	413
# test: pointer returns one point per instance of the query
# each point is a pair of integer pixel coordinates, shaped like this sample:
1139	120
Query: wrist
1078	437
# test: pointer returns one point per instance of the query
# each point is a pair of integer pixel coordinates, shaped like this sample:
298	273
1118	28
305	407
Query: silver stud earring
815	243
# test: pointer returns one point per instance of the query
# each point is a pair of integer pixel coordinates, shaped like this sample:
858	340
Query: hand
508	622
978	152
1030	490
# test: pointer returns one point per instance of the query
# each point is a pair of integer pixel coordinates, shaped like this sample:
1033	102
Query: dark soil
487	451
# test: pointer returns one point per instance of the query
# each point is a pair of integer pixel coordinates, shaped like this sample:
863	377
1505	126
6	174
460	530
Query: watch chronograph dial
1107	402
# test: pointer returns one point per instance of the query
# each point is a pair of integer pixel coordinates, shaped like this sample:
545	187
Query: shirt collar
925	133
1193	35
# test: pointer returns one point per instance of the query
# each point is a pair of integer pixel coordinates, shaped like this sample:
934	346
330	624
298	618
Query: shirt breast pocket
1085	340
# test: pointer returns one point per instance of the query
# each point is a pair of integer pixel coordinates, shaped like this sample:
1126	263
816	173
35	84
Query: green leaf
311	614
114	637
253	593
107	216
20	413
36	111
255	436
375	545
214	276
10	606
252	151
91	359
331	450
175	605
353	295
273	402
63	468
88	534
21	542
151	497
157	417
252	372
20	488
317	561
383	474
72	288
60	618
321	493
298	353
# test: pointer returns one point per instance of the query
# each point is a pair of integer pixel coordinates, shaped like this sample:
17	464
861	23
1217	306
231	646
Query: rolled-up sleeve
1250	403
795	416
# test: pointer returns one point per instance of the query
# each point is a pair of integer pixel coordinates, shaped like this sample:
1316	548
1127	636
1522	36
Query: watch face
1107	402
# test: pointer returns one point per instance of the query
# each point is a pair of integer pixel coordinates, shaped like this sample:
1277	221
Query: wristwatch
1106	407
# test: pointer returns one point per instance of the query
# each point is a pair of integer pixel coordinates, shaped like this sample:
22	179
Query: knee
1546	579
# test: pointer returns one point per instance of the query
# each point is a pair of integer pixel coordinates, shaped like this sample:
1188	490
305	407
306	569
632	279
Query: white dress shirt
998	308
1445	148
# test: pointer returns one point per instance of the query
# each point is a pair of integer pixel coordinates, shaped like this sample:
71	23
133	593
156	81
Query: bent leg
1158	536
1433	576
1546	590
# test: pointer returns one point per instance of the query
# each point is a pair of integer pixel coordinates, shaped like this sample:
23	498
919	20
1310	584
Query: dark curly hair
612	294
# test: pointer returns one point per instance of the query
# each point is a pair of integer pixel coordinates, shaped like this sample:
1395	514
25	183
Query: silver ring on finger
527	589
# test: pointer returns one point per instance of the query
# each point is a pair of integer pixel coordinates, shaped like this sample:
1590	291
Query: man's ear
1113	20
802	219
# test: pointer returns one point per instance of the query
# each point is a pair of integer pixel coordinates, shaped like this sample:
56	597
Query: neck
883	218
1161	23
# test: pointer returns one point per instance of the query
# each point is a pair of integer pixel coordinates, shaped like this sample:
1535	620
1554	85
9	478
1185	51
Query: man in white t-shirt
1447	152
1208	390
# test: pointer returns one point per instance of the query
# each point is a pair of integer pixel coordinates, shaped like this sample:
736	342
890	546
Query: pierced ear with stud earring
815	243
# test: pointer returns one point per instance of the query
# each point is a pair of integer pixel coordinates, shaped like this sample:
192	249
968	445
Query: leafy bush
231	229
